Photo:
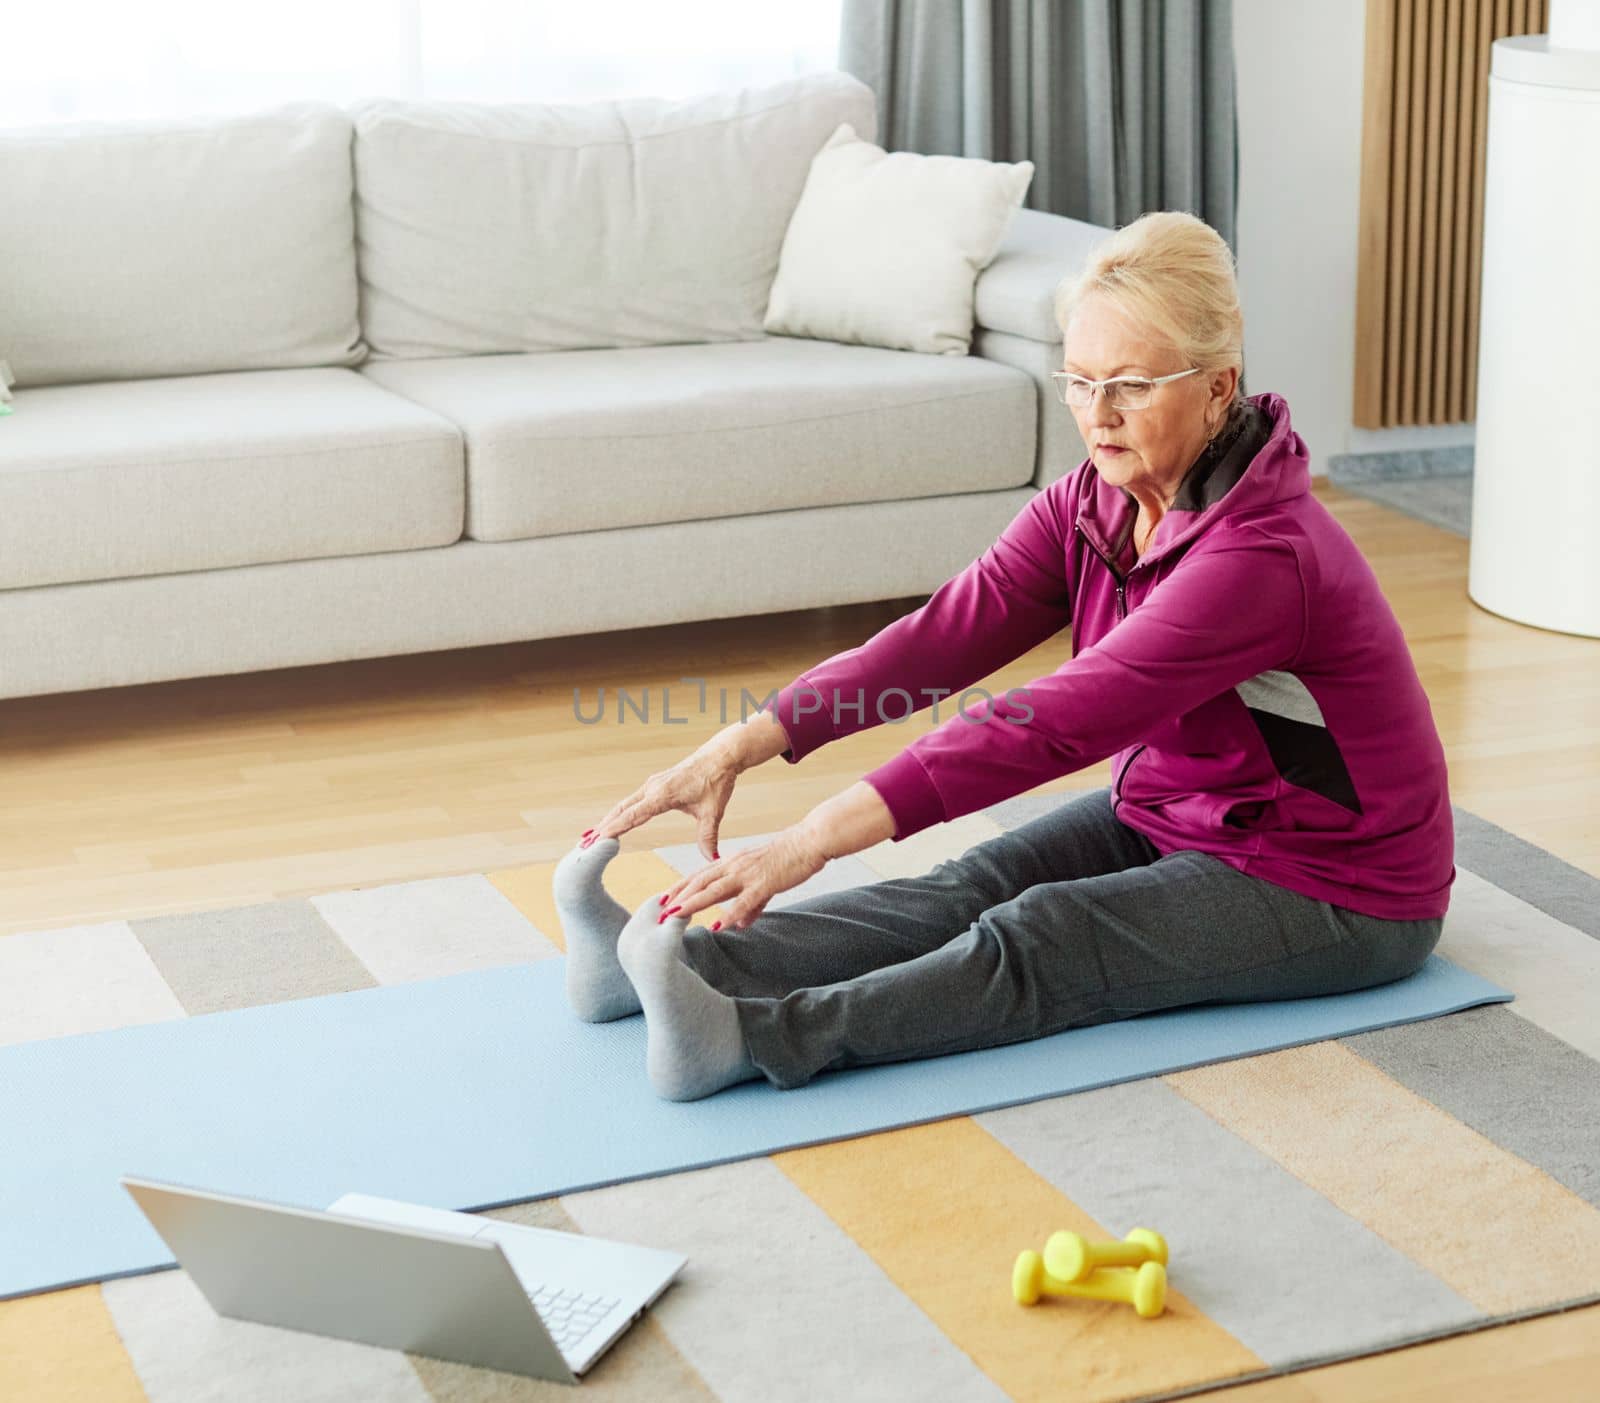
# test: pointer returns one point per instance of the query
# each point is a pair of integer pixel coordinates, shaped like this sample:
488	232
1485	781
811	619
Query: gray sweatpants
1072	919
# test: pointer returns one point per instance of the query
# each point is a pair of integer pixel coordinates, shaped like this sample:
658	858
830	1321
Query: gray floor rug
1433	485
1321	1202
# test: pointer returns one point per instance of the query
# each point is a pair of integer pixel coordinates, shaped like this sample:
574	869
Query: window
91	60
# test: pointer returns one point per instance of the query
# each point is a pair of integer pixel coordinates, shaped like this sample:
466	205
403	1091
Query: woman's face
1159	443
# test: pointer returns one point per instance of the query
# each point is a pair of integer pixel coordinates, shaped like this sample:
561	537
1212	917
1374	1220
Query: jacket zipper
1122	594
1122	613
1116	794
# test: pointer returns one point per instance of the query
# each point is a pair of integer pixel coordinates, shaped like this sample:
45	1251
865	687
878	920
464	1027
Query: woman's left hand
744	882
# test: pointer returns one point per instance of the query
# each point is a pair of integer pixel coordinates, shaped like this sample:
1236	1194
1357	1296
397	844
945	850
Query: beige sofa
320	383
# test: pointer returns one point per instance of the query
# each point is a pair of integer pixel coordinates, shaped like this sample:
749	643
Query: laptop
385	1272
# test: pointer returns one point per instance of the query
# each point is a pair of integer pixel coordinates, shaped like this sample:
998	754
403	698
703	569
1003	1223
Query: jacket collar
1256	459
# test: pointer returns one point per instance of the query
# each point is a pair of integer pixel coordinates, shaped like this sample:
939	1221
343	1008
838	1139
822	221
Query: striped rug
1320	1202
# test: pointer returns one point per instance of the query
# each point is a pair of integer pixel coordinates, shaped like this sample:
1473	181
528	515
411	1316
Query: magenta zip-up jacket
1245	676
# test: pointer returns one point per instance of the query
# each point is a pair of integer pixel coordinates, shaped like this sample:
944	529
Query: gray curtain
1123	106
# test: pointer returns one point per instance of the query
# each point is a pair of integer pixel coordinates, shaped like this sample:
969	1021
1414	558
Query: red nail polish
717	857
586	832
663	900
672	909
717	926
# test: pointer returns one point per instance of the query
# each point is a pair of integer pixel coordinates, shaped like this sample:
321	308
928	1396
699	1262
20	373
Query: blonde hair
1174	275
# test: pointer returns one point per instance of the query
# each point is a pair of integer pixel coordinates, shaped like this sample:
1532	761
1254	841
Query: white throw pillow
885	248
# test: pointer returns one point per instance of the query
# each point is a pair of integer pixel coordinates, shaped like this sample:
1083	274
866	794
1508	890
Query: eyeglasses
1121	391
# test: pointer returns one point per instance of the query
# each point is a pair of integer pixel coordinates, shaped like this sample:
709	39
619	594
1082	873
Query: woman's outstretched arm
853	819
1234	607
746	744
1013	597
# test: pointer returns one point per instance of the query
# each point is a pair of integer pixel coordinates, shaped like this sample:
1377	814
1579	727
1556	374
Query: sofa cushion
159	247
538	227
884	247
148	477
590	440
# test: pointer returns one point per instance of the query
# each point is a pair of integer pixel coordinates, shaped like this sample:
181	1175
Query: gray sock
693	1043
597	987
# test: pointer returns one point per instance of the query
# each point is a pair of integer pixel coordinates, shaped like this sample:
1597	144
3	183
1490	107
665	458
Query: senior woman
1278	823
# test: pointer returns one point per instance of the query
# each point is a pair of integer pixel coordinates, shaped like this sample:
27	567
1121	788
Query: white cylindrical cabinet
1535	548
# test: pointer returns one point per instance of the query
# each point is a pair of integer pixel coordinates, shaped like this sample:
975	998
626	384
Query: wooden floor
215	792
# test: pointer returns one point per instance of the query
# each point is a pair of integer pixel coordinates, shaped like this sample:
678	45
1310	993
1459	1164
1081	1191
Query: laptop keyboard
569	1315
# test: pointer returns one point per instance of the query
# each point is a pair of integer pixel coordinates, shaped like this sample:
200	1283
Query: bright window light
102	60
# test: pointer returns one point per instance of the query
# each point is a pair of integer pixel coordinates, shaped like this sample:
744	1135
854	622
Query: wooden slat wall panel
1432	150
1469	105
1449	140
1373	325
1411	203
1424	131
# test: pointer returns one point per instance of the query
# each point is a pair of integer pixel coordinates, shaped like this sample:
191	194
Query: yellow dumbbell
1145	1289
1068	1256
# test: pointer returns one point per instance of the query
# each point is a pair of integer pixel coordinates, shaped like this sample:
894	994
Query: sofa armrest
1016	321
1016	292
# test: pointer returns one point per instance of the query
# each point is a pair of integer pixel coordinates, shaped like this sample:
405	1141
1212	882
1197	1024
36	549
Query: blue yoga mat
483	1089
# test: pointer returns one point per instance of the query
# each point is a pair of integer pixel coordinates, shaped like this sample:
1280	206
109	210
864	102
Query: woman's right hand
700	785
